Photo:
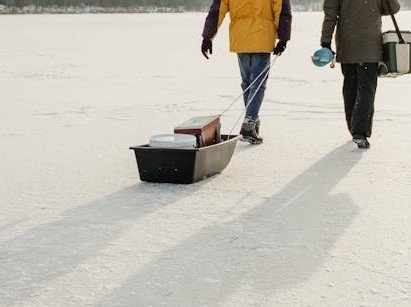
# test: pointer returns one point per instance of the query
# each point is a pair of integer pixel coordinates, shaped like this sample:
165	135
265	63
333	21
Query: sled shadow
30	261
279	243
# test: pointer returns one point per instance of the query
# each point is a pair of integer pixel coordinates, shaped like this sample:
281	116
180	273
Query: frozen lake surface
306	219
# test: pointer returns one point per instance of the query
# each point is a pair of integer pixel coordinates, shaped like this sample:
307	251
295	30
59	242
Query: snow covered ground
303	220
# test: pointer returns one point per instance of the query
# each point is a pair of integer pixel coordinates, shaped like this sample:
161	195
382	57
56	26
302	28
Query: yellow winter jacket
254	25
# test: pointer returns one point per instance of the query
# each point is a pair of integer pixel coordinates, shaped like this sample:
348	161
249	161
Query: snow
303	220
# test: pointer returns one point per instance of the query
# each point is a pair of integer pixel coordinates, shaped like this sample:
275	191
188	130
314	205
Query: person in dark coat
254	29
359	50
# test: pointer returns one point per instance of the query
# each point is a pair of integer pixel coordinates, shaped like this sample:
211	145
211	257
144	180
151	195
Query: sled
184	166
167	164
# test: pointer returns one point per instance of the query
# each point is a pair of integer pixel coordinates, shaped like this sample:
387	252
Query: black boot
257	126
249	132
361	141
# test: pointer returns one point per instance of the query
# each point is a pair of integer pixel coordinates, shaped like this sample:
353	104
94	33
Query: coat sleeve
284	26
215	17
331	15
390	7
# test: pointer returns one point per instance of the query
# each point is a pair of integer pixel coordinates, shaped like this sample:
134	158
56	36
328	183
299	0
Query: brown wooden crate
204	128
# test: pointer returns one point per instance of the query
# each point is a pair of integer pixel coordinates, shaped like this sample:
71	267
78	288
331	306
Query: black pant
360	85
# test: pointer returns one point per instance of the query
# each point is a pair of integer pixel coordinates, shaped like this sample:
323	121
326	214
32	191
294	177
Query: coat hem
251	51
359	61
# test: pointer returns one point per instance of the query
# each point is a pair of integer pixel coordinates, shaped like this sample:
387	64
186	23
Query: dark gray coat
358	22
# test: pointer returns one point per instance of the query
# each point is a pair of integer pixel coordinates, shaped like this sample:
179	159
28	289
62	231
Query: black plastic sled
184	165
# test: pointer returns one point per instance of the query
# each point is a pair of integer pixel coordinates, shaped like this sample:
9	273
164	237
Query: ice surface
303	220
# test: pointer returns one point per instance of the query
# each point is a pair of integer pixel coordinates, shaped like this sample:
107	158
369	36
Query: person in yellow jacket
255	27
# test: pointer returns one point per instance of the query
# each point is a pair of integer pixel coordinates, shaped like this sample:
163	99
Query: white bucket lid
392	37
182	141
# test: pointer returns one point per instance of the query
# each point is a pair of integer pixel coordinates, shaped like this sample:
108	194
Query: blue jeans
251	65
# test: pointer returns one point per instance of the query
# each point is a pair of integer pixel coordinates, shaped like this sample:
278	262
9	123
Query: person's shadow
280	242
28	262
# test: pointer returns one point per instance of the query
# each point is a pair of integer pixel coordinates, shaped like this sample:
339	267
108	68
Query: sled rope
267	72
252	83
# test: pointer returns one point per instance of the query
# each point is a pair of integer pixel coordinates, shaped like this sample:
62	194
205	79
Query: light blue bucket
322	57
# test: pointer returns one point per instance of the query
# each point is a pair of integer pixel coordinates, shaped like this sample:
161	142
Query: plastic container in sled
170	165
180	141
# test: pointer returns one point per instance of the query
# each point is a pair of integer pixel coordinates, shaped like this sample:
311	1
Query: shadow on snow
280	242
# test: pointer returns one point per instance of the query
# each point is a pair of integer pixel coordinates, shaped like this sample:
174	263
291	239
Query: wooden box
205	128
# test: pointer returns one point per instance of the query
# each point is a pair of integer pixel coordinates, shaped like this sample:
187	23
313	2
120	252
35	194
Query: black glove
279	49
328	46
207	47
